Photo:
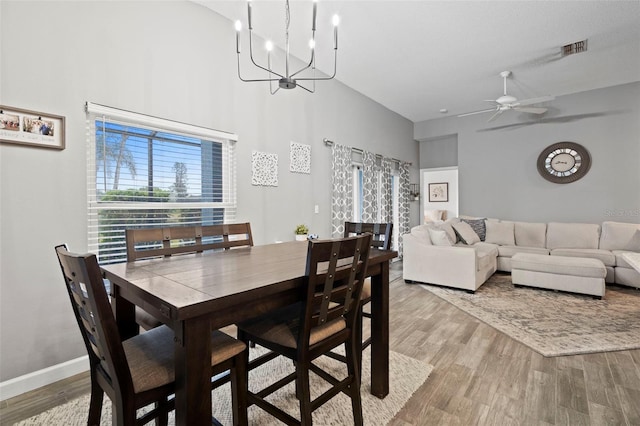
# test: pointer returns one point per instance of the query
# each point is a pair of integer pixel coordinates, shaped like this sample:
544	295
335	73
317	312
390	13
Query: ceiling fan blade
532	110
494	116
477	112
532	101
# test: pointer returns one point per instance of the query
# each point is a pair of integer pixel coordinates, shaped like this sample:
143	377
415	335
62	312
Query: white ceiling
417	57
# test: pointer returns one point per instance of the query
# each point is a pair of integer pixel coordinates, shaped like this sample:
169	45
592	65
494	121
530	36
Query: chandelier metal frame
287	80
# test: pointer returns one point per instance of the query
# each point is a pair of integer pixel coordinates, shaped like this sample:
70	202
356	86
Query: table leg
124	312
380	332
193	372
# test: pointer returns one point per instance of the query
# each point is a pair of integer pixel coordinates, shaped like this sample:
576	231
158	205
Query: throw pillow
466	233
634	242
478	227
422	233
449	230
501	233
439	237
433	215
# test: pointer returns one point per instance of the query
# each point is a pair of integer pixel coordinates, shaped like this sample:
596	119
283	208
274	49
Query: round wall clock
564	162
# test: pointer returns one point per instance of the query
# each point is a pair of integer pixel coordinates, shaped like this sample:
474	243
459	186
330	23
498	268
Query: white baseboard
46	376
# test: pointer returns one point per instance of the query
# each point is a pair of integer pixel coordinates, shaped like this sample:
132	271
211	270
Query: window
150	172
358	192
395	209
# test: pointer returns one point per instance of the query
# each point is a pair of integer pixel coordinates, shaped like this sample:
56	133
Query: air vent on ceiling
577	47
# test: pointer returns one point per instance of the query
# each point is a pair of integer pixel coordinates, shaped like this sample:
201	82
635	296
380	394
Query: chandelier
288	79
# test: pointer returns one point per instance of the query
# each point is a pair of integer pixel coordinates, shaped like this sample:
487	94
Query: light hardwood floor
480	376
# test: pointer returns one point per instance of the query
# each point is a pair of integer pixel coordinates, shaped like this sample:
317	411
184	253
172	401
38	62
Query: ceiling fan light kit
287	79
508	102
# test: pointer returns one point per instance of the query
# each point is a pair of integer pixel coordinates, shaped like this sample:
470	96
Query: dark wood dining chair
138	371
324	320
144	243
168	241
380	239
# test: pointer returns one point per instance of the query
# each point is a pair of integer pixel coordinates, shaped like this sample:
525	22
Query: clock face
564	162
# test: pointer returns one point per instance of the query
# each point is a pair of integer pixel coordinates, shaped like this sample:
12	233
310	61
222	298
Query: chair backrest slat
168	241
335	272
94	316
381	232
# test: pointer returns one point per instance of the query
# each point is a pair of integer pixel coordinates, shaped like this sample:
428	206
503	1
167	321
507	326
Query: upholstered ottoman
573	274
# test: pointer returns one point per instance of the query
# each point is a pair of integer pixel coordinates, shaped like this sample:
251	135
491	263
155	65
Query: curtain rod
328	142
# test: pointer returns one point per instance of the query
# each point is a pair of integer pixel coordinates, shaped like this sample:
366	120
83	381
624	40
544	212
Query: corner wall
498	176
174	60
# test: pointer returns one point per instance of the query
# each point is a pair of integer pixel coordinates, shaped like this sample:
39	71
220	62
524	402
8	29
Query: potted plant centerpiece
301	232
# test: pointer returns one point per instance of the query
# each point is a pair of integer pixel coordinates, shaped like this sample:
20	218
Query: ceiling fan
508	102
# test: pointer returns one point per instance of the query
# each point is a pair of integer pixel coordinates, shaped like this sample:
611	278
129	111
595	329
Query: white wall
498	176
174	60
447	175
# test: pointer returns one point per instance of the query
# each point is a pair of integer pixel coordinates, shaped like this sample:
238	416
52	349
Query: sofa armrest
451	266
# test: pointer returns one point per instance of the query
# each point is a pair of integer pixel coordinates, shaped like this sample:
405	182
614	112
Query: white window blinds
146	171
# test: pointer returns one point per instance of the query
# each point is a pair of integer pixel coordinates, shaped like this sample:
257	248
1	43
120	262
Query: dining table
195	293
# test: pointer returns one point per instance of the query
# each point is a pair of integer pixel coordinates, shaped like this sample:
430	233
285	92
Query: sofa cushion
500	233
484	260
616	235
485	255
531	234
439	237
485	247
573	235
634	243
448	227
478	227
421	232
508	251
605	256
466	234
433	215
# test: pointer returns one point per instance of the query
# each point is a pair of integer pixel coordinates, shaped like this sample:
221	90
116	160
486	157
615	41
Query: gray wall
439	152
497	161
169	59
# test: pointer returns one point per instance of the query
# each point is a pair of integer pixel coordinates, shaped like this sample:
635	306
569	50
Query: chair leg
303	393
163	413
239	382
95	404
358	338
354	388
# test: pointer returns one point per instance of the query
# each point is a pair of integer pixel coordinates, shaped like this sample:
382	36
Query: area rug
553	323
405	376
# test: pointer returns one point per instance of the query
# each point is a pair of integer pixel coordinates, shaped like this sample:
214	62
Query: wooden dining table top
190	285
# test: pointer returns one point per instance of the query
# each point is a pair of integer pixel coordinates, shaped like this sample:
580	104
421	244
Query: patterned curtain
404	211
369	188
386	196
342	195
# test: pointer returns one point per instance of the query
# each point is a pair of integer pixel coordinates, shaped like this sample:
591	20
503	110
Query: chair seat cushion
151	361
145	320
282	326
366	290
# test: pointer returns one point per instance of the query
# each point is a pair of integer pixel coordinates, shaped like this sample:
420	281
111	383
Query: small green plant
302	229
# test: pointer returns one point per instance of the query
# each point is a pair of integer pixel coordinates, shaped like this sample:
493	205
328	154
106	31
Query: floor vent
573	48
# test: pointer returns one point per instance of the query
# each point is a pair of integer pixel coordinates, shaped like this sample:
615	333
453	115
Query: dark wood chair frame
109	369
333	291
173	239
381	239
181	240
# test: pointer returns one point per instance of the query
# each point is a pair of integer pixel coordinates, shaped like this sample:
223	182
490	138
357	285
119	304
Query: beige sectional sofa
429	257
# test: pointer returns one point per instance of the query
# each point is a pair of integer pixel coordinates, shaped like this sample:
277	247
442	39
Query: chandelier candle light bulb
287	80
